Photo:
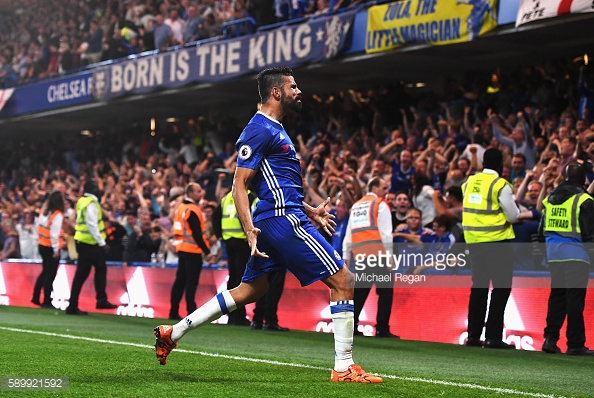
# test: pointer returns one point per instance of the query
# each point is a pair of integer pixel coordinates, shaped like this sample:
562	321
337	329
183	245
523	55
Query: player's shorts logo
245	152
336	255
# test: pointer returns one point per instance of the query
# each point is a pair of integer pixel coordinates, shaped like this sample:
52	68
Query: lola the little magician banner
436	22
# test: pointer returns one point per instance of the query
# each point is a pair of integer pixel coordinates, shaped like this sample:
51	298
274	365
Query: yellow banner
428	21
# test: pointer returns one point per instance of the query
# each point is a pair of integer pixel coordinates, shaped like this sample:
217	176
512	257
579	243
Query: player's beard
291	104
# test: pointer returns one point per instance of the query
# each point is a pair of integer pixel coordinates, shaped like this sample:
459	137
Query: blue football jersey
264	146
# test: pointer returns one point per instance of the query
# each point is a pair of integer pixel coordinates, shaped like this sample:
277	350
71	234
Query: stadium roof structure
507	46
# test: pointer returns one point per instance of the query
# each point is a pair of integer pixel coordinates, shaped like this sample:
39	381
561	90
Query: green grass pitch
111	356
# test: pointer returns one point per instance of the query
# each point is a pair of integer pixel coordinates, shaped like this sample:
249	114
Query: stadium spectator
192	26
586	88
520	140
223	11
413	230
162	33
177	26
91	47
518	166
441	241
144	241
11	248
114	239
567	151
28	237
422	193
402	172
342	213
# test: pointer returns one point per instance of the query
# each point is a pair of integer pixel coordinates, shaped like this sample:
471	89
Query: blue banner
51	94
317	40
508	11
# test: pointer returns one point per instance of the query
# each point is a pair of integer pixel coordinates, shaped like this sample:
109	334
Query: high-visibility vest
43	230
183	232
82	233
230	223
563	219
562	229
483	219
365	235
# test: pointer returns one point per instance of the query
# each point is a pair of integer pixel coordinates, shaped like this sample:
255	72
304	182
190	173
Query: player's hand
323	218
252	238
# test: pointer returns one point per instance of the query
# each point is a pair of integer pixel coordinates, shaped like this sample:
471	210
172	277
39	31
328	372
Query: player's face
291	95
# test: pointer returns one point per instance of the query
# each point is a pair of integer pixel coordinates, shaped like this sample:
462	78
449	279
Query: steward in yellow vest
488	212
483	219
82	232
567	224
226	225
90	245
563	219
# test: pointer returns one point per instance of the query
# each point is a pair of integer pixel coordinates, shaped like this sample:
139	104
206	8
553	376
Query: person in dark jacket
567	227
144	241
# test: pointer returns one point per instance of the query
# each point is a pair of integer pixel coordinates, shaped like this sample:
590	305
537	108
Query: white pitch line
295	365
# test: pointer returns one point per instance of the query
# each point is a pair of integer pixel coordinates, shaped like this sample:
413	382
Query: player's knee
346	281
349	280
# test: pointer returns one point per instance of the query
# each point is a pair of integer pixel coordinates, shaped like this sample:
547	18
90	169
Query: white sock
219	305
343	319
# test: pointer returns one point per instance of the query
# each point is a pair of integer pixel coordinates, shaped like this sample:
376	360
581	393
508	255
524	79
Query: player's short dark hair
272	77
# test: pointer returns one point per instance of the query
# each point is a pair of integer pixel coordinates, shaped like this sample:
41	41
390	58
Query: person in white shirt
370	223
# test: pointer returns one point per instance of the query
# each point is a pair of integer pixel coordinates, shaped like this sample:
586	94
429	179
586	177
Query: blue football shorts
292	243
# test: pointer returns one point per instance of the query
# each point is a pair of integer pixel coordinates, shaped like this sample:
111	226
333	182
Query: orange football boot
163	343
354	374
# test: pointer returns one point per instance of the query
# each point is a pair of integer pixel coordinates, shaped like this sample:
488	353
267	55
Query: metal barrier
234	28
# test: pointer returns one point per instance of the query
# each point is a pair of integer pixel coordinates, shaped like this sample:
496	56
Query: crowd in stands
424	144
45	38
